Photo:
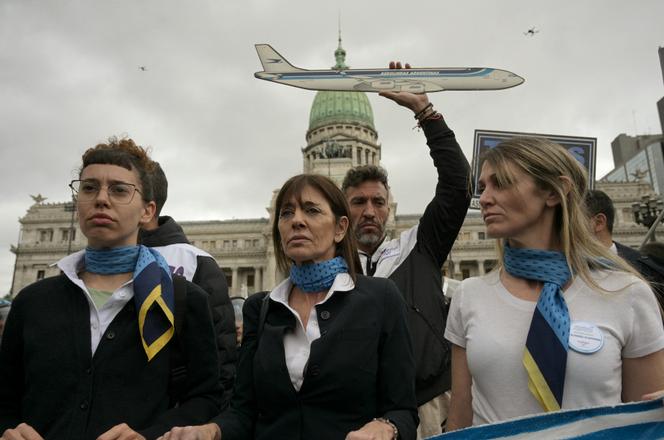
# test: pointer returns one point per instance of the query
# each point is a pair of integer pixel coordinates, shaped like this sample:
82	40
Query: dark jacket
647	267
360	368
632	256
51	380
201	269
415	258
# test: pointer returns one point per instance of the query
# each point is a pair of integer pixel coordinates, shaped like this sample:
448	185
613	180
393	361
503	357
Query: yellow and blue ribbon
545	355
155	300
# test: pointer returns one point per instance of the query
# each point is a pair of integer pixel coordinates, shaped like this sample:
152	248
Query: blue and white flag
641	420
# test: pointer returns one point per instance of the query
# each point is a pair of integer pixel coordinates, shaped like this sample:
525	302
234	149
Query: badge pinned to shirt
585	337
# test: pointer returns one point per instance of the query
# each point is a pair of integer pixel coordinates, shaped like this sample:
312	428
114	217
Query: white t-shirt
492	325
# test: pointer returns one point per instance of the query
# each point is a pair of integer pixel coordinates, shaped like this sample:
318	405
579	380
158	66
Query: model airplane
277	69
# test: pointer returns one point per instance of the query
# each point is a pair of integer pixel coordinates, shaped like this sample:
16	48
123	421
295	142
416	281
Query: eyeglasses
86	191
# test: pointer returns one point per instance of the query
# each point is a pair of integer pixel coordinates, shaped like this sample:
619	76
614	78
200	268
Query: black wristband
423	111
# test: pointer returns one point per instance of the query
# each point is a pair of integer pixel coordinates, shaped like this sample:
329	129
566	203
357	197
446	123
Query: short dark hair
126	154
159	187
598	202
346	248
358	175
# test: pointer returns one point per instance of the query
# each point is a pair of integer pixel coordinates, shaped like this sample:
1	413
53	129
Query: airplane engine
413	88
383	84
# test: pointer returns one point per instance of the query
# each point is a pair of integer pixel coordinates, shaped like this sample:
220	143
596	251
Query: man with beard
414	259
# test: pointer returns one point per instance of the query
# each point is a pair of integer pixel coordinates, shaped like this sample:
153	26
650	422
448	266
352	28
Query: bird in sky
142	68
531	32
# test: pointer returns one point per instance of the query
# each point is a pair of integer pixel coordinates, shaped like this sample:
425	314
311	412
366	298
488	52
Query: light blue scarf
545	356
317	277
111	261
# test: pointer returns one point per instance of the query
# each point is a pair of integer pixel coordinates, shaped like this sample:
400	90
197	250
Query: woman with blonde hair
561	322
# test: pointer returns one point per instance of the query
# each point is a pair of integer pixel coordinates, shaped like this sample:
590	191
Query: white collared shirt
297	345
614	248
101	318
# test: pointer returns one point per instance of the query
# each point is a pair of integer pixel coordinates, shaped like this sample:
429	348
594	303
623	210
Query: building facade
642	161
243	248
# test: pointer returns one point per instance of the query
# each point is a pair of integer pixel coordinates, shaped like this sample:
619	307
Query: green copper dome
340	107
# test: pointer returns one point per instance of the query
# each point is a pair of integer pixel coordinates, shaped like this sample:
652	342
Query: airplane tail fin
272	61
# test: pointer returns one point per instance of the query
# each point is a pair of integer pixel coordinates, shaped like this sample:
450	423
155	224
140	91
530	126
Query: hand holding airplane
415	102
423	80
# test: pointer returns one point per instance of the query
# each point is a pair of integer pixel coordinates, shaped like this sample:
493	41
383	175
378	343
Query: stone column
258	282
450	268
480	267
235	288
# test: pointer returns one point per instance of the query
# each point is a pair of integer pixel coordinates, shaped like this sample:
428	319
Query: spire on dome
340	53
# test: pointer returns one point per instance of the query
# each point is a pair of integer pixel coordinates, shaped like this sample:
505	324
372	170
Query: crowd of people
138	338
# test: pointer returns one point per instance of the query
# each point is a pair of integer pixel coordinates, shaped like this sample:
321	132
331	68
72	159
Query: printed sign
582	148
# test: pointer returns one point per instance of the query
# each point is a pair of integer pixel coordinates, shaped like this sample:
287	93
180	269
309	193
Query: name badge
585	337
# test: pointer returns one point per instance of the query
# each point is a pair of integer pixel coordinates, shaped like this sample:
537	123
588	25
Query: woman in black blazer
326	354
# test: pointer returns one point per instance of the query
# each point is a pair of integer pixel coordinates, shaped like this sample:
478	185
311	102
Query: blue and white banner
642	420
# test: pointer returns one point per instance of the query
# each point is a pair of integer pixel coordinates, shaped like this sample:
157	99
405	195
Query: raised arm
443	217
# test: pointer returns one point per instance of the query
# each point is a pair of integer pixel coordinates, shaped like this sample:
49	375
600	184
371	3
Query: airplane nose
516	79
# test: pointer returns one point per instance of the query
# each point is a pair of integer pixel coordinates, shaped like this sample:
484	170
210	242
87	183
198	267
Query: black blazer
52	381
361	367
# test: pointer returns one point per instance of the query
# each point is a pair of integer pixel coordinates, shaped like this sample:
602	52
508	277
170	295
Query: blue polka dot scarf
317	277
545	356
153	289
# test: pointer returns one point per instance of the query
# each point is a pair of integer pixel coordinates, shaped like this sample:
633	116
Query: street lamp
648	212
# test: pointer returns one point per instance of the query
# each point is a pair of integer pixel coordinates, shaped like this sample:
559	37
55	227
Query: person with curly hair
87	354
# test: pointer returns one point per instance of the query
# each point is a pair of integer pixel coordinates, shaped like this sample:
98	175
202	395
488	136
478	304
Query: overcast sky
70	77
